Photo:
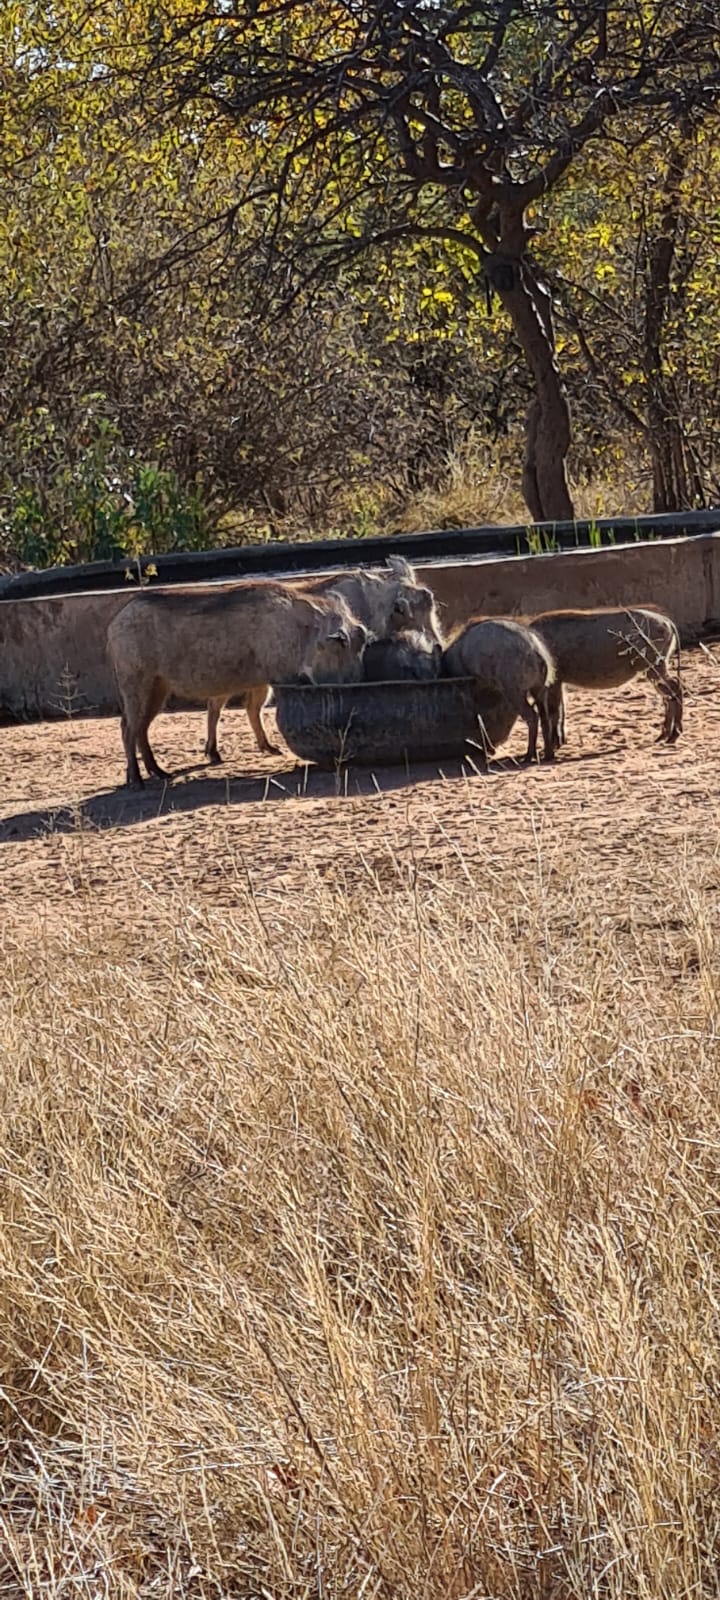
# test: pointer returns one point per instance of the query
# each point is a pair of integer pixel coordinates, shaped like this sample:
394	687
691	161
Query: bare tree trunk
544	479
677	481
530	489
675	478
677	484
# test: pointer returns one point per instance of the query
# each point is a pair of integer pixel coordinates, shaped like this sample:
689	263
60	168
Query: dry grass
366	1246
479	484
482	485
478	487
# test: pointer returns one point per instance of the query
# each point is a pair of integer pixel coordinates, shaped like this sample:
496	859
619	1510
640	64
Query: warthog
408	654
204	646
606	647
385	602
507	659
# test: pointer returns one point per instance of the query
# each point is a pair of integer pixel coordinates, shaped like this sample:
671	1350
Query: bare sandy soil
69	834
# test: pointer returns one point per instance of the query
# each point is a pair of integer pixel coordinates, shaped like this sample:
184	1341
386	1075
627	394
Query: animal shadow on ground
123	808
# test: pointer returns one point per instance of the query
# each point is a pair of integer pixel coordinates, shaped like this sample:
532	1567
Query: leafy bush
83	495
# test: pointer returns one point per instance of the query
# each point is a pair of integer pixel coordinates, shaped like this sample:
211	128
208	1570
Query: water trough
391	723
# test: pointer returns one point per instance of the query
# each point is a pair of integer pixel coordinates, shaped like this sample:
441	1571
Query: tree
424	119
146	392
140	400
640	300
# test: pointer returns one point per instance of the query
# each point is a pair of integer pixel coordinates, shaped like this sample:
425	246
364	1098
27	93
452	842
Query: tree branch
505	15
625	409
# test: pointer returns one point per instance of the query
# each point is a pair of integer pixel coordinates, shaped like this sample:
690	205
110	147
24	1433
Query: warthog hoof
214	757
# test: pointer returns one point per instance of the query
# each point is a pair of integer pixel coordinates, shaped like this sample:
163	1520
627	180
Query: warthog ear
402	607
341	635
401	566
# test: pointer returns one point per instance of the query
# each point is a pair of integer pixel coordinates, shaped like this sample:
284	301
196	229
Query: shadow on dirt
192	788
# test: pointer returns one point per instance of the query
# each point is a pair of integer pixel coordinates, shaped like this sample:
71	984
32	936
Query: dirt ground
69	834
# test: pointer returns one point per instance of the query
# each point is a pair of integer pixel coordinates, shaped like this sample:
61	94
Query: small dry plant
366	1246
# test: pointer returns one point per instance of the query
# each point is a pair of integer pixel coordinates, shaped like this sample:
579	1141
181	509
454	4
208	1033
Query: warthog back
604	648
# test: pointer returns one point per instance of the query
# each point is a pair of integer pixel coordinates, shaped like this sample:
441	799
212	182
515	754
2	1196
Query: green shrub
85	496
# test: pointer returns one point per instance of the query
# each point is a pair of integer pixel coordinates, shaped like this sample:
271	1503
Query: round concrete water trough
386	724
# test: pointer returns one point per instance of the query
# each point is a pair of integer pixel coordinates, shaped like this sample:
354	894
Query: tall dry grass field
368	1246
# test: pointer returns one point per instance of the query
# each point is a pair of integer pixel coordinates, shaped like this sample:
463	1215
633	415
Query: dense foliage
254	261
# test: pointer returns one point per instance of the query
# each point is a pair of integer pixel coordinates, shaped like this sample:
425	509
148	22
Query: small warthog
199	647
507	659
405	655
604	648
385	602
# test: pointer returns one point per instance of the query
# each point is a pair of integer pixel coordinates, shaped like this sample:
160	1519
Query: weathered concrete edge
317	555
53	659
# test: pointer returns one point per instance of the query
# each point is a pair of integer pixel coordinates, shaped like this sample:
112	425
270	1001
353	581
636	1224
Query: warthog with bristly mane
507	659
606	647
212	646
386	602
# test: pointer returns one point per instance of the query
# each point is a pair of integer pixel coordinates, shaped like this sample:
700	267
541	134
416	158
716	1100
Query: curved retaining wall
52	650
319	555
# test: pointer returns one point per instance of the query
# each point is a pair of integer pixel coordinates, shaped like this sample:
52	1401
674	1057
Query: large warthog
507	659
386	603
203	647
604	648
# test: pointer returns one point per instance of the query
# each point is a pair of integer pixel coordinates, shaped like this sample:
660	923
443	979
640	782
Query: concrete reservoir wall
53	658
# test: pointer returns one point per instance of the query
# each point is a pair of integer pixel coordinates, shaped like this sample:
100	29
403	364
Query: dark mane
213	605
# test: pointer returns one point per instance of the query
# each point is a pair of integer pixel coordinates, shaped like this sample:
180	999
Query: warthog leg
546	723
531	718
139	708
646	657
555	703
561	717
253	705
215	709
153	706
133	774
253	701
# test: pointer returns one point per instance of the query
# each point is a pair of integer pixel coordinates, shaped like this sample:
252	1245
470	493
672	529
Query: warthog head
338	653
408	654
413	605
